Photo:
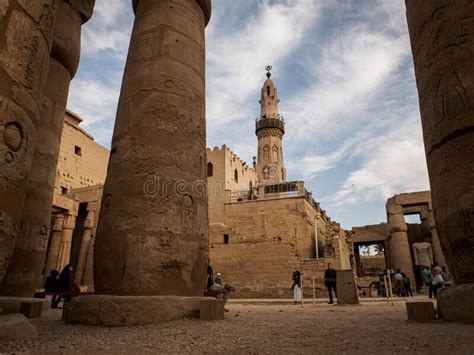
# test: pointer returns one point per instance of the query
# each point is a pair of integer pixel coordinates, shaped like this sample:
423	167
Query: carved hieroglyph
24	272
442	38
155	241
25	43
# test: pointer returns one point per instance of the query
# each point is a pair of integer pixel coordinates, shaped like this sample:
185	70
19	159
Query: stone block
421	311
456	303
119	311
30	307
212	309
346	287
16	327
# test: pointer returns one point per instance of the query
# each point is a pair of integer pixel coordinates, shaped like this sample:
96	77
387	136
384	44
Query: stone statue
423	254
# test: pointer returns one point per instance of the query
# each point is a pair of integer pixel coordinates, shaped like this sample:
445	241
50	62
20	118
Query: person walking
428	280
51	286
407	285
330	281
399	284
296	287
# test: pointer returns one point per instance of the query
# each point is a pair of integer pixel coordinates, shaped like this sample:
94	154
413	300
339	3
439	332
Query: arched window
236	175
266	152
210	169
268	90
275	152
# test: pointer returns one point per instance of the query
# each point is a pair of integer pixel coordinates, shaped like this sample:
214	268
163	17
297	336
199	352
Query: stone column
64	255
25	45
160	241
24	272
55	245
85	245
154	242
435	242
400	254
442	39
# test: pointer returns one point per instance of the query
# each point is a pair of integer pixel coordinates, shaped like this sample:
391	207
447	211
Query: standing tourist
427	279
399	284
296	287
330	281
66	282
407	285
210	274
437	277
447	276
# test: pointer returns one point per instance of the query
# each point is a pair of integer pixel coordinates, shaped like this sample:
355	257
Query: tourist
427	279
407	285
447	276
437	278
330	281
51	286
296	287
66	283
223	291
399	284
210	274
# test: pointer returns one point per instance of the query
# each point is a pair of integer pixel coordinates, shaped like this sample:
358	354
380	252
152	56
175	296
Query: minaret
270	129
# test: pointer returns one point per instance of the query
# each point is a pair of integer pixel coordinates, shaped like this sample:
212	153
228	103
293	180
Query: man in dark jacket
330	282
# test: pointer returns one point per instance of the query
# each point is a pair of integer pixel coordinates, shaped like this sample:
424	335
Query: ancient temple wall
82	161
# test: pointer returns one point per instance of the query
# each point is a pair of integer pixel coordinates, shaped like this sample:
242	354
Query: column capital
205	6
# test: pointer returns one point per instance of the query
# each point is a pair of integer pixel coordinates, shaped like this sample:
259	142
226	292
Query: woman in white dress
296	287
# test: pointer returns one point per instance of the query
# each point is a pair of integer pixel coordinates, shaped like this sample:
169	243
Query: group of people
57	283
330	282
436	277
403	284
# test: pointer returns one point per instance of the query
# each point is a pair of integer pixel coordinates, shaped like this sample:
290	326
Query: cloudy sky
345	78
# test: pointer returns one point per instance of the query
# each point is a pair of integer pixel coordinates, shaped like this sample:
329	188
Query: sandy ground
250	329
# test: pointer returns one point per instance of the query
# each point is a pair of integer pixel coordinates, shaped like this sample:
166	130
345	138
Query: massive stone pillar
400	254
85	245
24	272
25	43
152	236
65	245
54	245
435	242
442	39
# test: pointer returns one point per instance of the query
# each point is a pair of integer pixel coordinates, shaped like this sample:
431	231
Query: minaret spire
270	129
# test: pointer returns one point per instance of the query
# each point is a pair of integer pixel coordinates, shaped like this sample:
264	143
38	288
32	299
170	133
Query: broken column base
455	303
120	311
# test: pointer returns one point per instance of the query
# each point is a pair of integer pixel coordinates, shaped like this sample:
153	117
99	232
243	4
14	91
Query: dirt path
369	328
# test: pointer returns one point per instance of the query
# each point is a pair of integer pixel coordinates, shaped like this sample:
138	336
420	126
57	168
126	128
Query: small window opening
78	150
63	190
268	90
210	169
226	239
236	175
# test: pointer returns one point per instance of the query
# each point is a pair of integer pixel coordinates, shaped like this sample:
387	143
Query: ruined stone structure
442	39
263	227
25	45
30	248
406	246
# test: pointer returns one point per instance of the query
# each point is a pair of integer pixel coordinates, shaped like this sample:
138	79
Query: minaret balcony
274	122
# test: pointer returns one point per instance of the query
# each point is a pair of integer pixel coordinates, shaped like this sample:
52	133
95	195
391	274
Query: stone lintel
205	6
120	311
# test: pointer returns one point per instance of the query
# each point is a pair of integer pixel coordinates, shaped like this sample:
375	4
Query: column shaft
54	246
85	245
66	242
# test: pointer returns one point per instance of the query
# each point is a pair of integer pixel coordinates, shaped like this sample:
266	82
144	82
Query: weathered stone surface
16	305
442	39
212	309
118	311
24	272
24	55
456	303
204	4
421	311
346	288
16	327
152	237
